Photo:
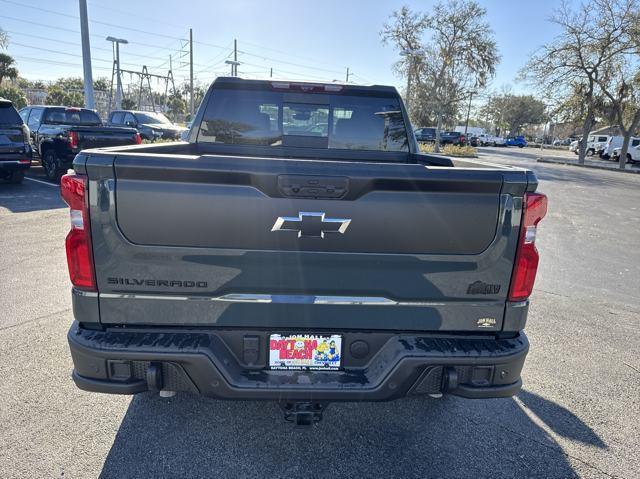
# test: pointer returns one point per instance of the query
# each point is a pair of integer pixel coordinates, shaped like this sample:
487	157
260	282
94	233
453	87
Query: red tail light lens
73	188
73	139
137	139
526	264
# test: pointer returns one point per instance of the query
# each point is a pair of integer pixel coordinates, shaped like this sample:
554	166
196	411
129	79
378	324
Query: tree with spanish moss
457	58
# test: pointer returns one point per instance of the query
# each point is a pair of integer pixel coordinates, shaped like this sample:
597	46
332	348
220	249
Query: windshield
9	115
152	118
72	116
271	118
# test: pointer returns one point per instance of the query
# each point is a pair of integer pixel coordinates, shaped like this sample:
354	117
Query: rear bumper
18	164
216	364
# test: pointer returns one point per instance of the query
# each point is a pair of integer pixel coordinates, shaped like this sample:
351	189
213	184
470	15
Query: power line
291	54
98	22
65	42
309	67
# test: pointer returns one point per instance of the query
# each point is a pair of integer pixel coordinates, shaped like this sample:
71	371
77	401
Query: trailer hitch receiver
303	413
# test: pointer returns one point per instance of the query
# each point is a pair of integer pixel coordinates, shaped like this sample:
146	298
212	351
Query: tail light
526	264
73	139
137	139
73	188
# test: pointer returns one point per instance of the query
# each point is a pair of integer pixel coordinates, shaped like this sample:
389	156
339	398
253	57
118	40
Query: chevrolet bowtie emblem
311	224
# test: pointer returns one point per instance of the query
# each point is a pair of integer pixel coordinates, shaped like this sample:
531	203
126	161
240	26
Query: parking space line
42	182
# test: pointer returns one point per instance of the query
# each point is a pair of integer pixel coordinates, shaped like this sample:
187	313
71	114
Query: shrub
14	95
450	150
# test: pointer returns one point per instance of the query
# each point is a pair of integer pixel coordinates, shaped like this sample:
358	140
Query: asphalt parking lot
578	415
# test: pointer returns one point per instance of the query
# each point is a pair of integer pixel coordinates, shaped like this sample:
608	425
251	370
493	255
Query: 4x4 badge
311	224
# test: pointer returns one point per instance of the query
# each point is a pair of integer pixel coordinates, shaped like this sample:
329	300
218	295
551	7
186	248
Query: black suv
152	126
15	150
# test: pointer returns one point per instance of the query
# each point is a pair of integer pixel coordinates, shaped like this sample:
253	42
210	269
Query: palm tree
6	68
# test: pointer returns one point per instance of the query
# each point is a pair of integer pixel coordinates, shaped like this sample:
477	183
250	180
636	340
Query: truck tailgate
298	244
104	136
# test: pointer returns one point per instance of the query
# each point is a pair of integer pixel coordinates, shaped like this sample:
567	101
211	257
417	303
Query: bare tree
592	39
620	84
4	39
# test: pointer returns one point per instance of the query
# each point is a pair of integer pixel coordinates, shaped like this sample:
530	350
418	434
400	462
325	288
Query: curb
595	167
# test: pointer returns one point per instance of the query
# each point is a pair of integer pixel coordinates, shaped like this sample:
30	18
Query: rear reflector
526	264
73	188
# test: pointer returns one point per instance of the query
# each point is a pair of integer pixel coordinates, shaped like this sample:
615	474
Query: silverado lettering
157	282
325	243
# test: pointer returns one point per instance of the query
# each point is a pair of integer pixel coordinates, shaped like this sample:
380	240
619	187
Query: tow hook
303	414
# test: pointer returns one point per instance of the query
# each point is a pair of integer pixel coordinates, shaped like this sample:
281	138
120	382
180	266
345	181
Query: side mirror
130	123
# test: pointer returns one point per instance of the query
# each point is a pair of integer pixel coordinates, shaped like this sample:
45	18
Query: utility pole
347	75
192	100
89	101
271	73
235	58
117	42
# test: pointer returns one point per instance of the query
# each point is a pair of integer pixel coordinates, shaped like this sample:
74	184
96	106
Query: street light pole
117	42
89	101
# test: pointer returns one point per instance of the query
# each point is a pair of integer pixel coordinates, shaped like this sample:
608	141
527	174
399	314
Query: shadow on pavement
30	195
189	436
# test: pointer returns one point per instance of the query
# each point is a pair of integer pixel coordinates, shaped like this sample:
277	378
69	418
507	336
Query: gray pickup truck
299	248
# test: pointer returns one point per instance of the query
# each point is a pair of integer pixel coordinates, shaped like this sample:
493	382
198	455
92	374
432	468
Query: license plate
305	351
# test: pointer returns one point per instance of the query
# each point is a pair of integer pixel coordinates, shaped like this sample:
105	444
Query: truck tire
16	177
50	165
590	152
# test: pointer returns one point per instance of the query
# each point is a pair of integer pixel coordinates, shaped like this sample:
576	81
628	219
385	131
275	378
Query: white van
616	142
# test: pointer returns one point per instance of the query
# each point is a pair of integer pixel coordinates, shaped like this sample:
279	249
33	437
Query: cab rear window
272	118
8	114
72	116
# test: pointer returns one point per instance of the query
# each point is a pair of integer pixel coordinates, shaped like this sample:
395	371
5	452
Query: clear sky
314	40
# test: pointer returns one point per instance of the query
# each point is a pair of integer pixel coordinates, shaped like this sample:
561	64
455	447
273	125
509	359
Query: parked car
452	138
491	140
606	152
318	246
633	154
59	133
151	126
474	141
15	148
426	134
518	141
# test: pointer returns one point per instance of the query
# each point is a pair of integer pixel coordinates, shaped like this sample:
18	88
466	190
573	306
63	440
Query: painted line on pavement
42	182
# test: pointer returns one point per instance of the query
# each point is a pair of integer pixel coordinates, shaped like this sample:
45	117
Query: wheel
16	177
494	143
50	165
521	146
629	159
590	152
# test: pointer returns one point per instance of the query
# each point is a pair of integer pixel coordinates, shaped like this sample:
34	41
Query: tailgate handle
303	186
